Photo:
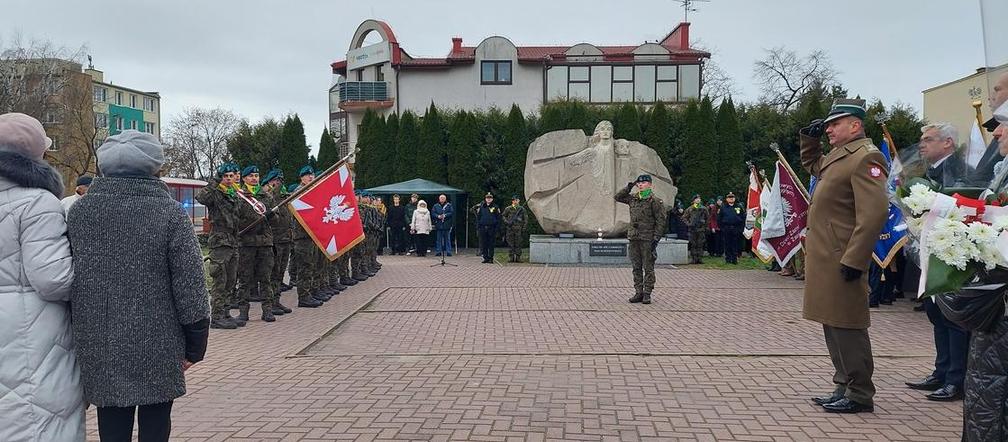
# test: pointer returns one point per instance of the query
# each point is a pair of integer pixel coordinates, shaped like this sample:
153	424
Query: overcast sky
269	58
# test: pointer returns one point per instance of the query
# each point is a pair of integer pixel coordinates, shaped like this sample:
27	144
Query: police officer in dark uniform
488	219
731	218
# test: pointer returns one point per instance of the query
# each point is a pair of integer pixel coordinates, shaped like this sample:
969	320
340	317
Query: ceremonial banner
794	208
328	212
893	235
754	216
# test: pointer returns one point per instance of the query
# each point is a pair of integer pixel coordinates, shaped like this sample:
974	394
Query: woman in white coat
421	226
40	393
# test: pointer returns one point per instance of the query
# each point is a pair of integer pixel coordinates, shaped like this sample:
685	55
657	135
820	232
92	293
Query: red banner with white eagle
328	212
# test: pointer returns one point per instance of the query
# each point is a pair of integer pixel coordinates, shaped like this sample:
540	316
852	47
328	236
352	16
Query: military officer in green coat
219	197
695	217
515	222
647	225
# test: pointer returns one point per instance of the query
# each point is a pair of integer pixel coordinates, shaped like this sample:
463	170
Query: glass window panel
622	92
504	72
666	73
667	92
644	83
579	91
556	83
579	73
487	74
622	73
601	84
689	81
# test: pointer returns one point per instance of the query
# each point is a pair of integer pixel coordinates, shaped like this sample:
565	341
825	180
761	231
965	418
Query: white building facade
497	74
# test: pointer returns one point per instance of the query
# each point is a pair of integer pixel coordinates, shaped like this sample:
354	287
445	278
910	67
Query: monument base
548	249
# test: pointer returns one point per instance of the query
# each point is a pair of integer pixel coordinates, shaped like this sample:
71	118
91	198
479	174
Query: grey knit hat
131	153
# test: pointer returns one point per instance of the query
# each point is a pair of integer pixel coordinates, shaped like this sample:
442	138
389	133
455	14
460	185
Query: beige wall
953	102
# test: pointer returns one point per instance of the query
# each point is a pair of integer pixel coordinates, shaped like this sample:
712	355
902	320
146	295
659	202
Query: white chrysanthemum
914	225
981	233
990	257
920	199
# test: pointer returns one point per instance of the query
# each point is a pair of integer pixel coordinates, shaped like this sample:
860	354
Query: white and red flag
754	215
328	212
789	202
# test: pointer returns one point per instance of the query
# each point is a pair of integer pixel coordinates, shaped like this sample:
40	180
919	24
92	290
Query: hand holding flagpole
780	156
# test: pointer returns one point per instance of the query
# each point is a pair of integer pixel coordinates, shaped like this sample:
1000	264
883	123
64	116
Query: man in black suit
984	172
937	146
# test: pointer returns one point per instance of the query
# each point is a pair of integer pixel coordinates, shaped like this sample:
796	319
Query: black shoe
947	393
308	303
833	397
900	295
929	383
872	305
919	308
647	299
848	406
224	323
347	281
285	287
243	316
268	316
371	274
360	277
637	298
320	297
280	306
277	311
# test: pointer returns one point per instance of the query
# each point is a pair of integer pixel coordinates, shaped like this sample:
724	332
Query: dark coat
138	289
488	215
397	217
448	210
984	407
846	215
950	173
731	216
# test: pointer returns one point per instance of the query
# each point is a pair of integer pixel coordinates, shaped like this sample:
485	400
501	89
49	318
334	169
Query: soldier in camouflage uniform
695	219
303	255
280	223
222	207
647	225
378	230
360	271
255	255
515	222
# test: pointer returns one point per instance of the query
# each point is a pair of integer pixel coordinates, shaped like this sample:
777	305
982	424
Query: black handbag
978	306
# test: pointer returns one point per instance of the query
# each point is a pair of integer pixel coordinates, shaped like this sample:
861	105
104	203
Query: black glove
654	245
270	214
815	129
850	273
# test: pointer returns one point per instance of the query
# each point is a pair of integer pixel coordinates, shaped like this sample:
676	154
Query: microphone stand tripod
445	253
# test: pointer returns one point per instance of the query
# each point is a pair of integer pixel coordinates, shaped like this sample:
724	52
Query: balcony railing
356	91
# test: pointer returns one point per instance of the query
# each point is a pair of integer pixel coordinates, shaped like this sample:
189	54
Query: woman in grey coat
141	313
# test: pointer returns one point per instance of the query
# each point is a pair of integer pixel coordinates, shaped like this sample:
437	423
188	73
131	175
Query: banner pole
780	156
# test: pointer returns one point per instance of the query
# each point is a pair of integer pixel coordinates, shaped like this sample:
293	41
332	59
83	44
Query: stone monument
571	178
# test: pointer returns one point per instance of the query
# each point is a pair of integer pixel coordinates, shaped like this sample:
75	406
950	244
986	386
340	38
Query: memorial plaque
607	249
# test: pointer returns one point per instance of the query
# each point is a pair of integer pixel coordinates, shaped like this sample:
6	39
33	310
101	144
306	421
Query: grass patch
501	256
745	262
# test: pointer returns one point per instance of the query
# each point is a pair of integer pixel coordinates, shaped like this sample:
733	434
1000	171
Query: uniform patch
875	172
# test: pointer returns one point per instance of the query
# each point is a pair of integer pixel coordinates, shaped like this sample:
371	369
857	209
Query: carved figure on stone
570	180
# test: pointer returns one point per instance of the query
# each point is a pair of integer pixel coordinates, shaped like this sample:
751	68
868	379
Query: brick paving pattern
485	352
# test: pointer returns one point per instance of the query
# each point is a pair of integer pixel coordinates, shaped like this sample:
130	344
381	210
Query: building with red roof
496	73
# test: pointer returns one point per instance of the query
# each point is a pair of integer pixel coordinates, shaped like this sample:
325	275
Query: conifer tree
328	151
431	149
627	124
406	148
730	149
699	164
293	149
515	142
659	134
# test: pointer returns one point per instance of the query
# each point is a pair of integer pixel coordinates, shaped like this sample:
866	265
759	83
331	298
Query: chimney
456	45
684	35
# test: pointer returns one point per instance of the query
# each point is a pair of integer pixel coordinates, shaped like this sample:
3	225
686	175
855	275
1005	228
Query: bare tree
717	84
783	76
78	129
32	72
197	141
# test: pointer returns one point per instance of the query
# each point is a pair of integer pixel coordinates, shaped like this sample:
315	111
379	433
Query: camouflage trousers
282	253
305	264
514	239
223	270
255	267
697	244
642	259
374	243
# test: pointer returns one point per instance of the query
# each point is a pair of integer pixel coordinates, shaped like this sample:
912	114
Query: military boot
267	314
347	281
308	302
236	321
278	306
637	298
218	321
646	299
243	316
360	277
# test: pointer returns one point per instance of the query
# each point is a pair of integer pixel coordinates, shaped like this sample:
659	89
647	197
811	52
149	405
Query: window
119	123
55	144
689	81
133	124
50	117
622	87
601	84
133	101
360	74
578	87
118	99
101	120
666	88
99	94
379	76
149	104
556	83
149	128
495	72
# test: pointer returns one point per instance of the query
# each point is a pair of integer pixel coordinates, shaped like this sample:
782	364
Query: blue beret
644	178
225	168
306	170
272	175
292	187
249	170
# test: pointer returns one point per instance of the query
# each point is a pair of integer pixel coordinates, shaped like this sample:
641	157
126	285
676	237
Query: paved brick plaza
486	352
